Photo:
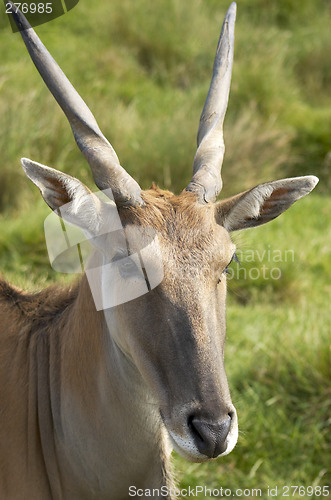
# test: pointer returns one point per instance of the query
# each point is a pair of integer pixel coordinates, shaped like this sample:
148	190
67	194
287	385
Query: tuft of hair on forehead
163	209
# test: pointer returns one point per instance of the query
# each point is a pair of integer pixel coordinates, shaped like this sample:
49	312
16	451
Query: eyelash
226	270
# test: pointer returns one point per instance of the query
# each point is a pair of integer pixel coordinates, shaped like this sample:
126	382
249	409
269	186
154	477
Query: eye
226	270
127	267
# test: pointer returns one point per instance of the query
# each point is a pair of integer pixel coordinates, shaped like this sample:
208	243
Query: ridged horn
101	157
207	164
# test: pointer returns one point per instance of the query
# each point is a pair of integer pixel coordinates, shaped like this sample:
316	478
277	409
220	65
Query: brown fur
163	207
38	307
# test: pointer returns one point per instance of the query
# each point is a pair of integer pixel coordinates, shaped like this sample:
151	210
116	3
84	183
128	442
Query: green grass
144	69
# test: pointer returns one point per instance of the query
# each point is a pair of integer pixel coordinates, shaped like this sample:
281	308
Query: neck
107	415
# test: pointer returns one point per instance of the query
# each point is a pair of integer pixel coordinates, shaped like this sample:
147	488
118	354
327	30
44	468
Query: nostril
189	422
194	429
210	437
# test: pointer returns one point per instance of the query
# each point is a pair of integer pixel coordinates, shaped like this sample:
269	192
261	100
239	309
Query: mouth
185	450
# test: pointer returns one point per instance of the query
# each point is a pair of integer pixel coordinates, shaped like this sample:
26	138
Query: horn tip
232	11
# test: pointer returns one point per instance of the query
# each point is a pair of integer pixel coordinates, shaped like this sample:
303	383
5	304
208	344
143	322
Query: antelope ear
66	196
262	203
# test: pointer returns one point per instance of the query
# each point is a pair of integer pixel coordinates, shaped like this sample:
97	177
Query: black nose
210	437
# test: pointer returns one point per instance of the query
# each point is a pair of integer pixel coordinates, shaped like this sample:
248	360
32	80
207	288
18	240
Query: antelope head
175	333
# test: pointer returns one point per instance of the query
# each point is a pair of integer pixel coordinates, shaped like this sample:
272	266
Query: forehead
186	230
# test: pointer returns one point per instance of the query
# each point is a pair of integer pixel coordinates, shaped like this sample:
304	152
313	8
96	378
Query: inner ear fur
66	196
262	203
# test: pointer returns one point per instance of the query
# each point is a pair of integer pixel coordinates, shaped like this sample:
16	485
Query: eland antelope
93	399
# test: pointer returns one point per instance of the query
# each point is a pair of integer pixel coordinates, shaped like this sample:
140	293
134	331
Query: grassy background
144	69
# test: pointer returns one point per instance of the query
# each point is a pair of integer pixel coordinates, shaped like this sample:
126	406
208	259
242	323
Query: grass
144	69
